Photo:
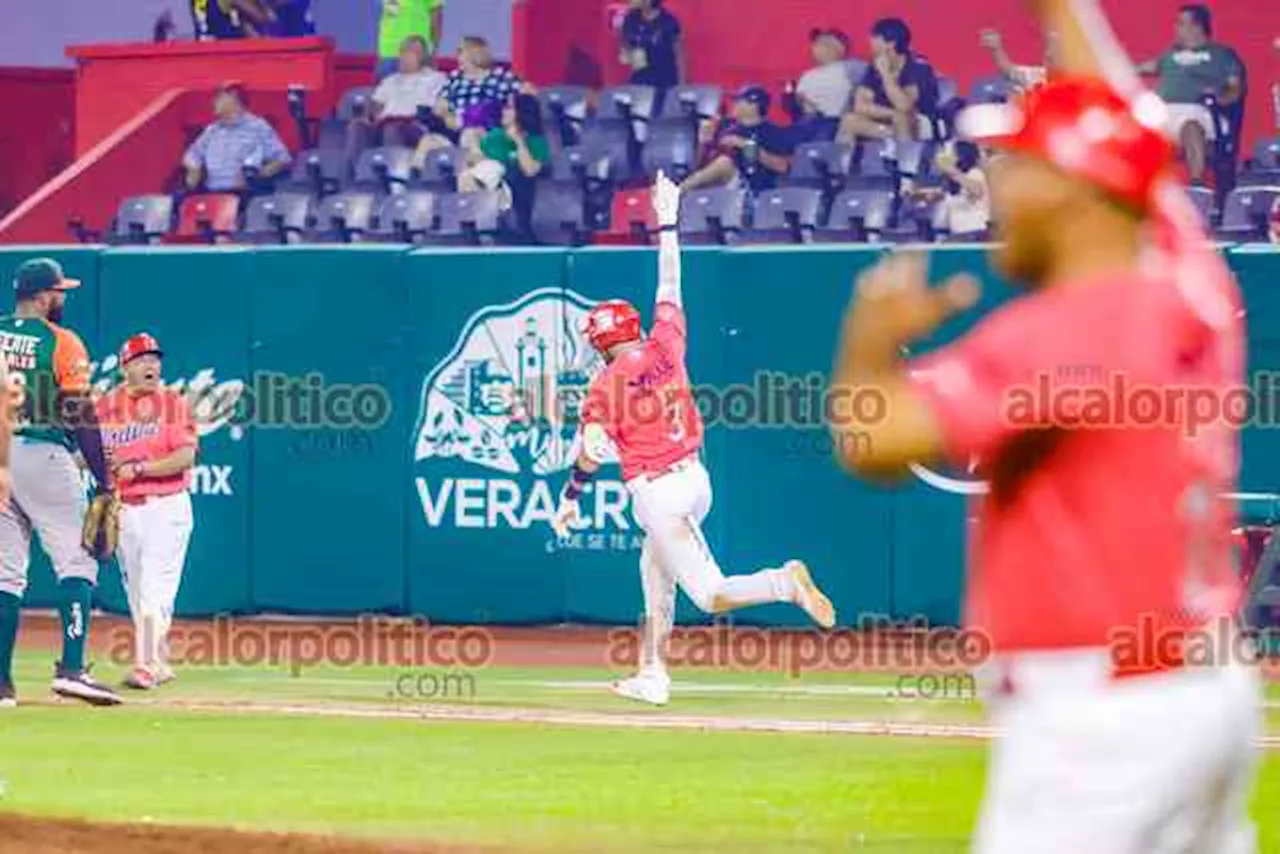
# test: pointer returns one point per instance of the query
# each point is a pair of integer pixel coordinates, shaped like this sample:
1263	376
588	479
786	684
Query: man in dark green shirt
1193	68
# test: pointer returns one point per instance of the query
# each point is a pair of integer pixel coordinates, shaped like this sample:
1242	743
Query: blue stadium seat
629	103
1205	203
672	147
712	215
820	165
354	102
439	172
693	101
405	217
857	216
611	141
1245	213
990	90
343	217
320	171
465	219
874	165
567	107
279	218
384	169
784	215
559	214
577	164
142	219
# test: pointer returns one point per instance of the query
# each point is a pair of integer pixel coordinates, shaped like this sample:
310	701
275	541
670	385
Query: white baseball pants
1152	764
153	549
670	508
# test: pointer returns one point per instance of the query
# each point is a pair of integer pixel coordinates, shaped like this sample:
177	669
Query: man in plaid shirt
472	100
235	140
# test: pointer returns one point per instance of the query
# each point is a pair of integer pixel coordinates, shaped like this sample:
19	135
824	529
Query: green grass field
343	751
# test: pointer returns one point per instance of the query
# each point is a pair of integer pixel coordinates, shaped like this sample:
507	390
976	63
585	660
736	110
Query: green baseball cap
39	275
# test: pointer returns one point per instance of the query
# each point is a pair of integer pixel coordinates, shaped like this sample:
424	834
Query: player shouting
48	369
642	405
1102	551
151	439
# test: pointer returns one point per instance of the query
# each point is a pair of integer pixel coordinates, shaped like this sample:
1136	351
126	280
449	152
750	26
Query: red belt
679	465
139	500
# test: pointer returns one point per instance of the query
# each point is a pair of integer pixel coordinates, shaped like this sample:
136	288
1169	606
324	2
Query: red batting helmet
610	323
139	345
1085	128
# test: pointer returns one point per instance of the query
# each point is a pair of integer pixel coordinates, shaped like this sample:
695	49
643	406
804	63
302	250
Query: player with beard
48	369
1101	566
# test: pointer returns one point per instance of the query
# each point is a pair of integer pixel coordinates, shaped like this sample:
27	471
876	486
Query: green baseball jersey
1186	75
44	361
404	18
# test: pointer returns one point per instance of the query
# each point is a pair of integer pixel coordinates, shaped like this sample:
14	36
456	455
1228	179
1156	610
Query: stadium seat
693	101
856	70
384	169
1245	212
1203	199
820	165
439	172
577	164
142	219
559	213
567	107
1264	166
208	216
611	141
712	215
672	147
630	103
320	170
466	219
279	218
354	102
990	90
913	159
405	217
343	217
857	216
785	215
874	164
631	216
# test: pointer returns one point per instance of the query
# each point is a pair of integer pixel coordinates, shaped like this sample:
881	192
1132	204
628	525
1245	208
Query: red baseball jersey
1104	520
147	427
644	402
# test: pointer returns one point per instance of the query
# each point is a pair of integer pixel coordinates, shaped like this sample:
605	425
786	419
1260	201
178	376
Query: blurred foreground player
641	404
1101	565
151	439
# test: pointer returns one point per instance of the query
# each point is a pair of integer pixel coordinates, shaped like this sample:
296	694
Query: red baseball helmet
1085	128
610	323
139	345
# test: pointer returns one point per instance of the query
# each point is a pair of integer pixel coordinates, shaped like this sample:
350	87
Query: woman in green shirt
514	153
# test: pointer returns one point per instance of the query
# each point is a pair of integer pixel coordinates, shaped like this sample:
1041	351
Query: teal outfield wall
432	500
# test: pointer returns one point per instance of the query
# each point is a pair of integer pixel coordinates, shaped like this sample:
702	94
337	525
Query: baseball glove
101	533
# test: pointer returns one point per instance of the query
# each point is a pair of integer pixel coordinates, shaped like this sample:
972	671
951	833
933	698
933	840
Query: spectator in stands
651	46
403	18
472	100
1274	230
966	205
1194	69
1021	77
393	107
222	19
287	19
236	140
511	157
750	149
889	98
822	94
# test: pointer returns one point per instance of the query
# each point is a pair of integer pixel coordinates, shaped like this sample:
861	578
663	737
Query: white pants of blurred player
153	549
1151	764
670	508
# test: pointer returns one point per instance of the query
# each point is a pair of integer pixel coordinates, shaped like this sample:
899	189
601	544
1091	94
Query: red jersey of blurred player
152	442
643	398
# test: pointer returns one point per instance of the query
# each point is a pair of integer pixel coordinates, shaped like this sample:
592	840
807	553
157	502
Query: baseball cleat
814	602
8	697
163	673
651	688
81	686
141	679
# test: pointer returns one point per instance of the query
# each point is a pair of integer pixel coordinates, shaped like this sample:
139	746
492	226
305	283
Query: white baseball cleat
8	697
651	688
814	602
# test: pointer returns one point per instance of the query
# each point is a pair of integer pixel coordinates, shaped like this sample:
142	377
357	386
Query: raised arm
666	205
1087	45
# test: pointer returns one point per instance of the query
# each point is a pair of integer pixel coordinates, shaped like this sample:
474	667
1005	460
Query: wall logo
499	420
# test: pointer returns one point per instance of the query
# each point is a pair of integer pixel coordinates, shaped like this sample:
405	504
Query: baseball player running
1102	569
48	369
152	444
642	404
